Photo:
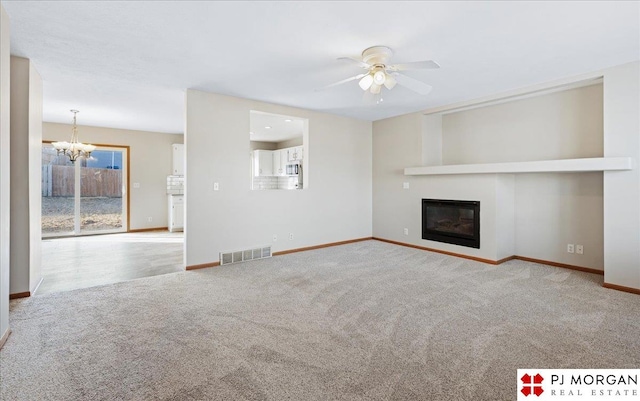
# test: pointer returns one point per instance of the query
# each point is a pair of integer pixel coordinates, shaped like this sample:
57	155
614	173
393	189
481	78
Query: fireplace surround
451	221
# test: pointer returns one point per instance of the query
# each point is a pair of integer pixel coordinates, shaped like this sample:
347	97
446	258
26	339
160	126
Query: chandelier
74	149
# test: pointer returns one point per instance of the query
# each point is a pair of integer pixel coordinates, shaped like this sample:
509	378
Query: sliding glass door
87	197
58	182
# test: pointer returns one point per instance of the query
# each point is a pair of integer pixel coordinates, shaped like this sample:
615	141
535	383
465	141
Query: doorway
87	197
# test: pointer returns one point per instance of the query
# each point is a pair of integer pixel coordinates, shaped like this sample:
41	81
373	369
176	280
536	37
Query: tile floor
80	262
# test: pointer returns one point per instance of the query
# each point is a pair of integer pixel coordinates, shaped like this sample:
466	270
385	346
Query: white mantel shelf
543	166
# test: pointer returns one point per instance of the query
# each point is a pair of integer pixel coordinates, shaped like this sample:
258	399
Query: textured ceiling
127	64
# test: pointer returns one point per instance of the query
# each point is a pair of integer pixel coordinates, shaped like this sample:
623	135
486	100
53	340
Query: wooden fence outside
60	181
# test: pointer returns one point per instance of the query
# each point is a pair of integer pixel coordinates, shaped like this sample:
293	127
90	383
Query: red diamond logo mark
532	385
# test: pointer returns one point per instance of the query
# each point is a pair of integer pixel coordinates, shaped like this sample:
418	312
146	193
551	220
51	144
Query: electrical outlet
570	248
216	186
579	249
406	231
275	237
290	236
149	219
405	185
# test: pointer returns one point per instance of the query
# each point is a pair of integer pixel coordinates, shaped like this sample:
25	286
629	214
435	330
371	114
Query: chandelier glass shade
74	149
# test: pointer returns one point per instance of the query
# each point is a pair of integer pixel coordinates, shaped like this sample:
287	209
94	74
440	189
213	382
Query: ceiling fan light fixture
390	82
380	72
379	77
365	82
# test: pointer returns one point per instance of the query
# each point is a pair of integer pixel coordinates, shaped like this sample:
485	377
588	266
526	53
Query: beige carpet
365	321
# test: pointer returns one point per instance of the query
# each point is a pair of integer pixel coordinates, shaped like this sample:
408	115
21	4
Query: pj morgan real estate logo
578	384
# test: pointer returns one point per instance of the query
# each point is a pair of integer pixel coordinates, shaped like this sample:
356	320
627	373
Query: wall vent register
451	221
245	255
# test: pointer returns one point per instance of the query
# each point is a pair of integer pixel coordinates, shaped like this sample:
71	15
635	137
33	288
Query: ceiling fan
379	73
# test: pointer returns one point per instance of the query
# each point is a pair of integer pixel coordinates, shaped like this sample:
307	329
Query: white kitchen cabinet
178	159
294	154
176	213
277	163
283	161
280	161
262	163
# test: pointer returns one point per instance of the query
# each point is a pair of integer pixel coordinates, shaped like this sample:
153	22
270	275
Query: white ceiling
127	64
269	127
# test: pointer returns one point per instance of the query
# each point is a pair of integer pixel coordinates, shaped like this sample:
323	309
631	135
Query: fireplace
451	221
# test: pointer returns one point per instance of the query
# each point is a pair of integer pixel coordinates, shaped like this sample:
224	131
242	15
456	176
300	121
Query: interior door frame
127	186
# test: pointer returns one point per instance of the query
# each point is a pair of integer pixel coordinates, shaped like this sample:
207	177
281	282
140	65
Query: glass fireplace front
451	221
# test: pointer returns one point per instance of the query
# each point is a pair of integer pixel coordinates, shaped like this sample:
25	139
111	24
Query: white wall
35	177
150	158
622	189
5	185
432	140
263	145
561	125
549	211
336	207
553	210
26	161
505	211
397	143
290	143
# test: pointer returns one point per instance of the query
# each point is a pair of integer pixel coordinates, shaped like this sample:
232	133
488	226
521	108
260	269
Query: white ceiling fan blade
344	81
416	65
356	61
413	84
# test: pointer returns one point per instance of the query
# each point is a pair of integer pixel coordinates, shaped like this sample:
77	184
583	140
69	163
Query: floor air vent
242	256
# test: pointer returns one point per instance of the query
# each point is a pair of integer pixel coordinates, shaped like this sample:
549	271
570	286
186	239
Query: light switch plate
136	185
216	186
405	185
